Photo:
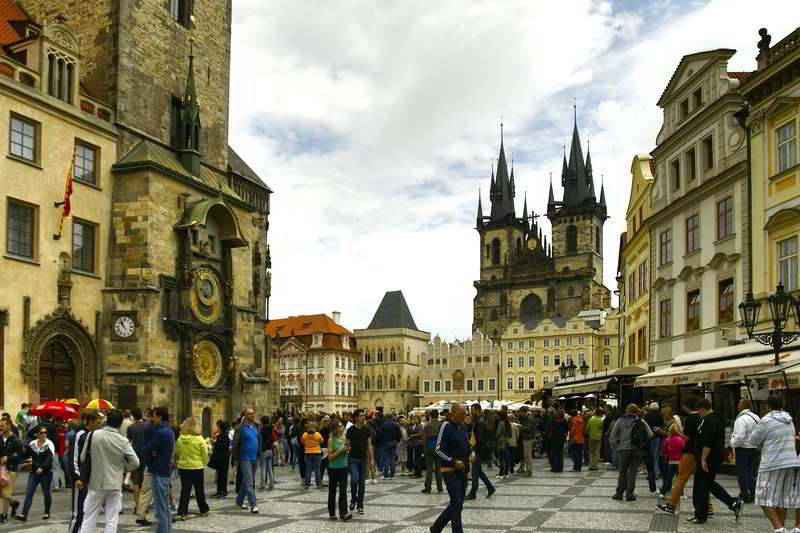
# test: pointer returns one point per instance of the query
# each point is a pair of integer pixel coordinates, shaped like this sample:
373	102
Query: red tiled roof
10	12
295	326
741	76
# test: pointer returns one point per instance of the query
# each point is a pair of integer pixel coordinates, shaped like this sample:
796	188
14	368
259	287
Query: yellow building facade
773	94
635	266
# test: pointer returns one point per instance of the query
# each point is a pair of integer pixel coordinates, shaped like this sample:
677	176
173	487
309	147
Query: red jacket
576	430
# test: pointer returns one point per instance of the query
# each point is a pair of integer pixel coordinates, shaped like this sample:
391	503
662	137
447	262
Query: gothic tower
577	220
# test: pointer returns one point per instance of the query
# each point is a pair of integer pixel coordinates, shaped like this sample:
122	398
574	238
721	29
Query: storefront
613	387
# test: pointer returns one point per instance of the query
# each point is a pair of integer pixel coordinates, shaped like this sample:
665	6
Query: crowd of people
102	454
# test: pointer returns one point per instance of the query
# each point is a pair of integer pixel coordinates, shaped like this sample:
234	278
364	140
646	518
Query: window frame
725	218
790	143
694	310
726	290
34	230
80	143
665	318
690	156
665	247
36	149
692	233
791	258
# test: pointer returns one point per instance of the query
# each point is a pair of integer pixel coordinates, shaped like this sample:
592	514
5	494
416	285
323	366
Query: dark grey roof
237	164
502	190
393	312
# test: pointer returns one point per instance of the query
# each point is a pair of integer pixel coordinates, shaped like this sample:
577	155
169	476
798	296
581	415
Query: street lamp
567	370
780	306
584	368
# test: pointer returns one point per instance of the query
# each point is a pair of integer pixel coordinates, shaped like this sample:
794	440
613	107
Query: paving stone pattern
547	502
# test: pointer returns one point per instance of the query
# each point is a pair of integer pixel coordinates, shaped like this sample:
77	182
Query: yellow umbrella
100	404
72	401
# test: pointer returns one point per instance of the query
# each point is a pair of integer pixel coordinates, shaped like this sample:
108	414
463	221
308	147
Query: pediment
721	258
781	104
784	216
689	69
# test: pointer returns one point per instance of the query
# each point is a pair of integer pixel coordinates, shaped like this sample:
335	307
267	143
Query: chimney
337	317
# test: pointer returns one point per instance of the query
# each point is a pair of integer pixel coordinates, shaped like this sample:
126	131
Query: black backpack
639	435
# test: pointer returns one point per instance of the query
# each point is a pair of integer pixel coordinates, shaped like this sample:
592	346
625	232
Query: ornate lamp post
781	305
584	368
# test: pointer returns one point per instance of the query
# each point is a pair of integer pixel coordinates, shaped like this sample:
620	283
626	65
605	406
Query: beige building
156	293
699	222
391	348
460	371
531	358
318	363
634	271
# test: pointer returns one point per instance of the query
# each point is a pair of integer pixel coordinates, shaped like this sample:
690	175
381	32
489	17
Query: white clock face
123	327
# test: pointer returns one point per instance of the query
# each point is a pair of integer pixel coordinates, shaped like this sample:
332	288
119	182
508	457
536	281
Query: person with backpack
630	436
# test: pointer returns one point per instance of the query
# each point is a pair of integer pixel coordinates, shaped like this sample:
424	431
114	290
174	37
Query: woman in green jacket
191	453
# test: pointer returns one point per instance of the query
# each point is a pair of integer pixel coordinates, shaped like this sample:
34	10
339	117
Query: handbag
3	476
86	466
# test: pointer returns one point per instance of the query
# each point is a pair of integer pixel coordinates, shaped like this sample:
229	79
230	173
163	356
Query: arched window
392	383
572	239
392	355
366	382
496	252
531	311
367	357
597	240
380	356
607	358
380	383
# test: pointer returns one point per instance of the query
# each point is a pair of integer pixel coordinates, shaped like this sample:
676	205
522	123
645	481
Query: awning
596	385
714	372
778	377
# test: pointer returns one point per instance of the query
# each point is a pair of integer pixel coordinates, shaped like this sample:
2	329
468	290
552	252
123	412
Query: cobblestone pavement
547	502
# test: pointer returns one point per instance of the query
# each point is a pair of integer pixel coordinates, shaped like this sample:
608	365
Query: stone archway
60	330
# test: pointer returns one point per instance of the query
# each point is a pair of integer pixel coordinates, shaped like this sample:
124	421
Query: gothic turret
189	133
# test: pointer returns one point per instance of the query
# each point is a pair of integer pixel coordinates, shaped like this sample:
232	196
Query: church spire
551	201
524	209
480	208
602	193
503	199
189	135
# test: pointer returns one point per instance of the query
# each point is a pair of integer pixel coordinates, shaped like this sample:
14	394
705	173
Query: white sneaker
254	510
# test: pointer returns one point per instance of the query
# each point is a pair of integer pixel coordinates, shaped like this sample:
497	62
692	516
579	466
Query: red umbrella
58	410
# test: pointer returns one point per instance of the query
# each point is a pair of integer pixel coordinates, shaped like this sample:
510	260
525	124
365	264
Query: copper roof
295	326
10	12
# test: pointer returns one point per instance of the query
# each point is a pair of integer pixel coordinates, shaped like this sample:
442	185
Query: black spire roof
503	197
576	176
393	312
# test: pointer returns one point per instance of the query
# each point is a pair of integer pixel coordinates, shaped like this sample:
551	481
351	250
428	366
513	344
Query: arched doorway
56	372
207	422
379	405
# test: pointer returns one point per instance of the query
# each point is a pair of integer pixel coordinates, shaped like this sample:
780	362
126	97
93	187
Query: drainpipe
741	117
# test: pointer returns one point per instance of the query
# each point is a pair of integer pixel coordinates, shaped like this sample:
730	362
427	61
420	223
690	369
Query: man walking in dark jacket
158	452
480	449
136	434
10	456
389	435
430	433
452	447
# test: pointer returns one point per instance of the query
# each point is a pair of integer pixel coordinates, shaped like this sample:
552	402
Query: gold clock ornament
207	363
533	243
206	295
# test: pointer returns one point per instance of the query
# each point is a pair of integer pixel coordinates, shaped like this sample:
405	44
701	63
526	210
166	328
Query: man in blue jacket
452	447
389	435
158	452
246	452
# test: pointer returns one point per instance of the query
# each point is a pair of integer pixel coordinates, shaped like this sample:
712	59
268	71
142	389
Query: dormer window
317	339
61	76
345	342
697	98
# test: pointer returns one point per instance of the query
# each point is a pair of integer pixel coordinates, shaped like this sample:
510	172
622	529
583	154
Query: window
665	246
380	383
545	380
521	382
606	359
336	365
510	383
337	388
692	233
632	287
787	146
546	360
555	379
572	239
531	382
556	342
481	384
697	98
642	355
531	344
556	359
469	385
85	157
317	339
787	263
492	384
23	138
693	310
643	281
675	174
725	301
448	385
581	359
367	358
531	361
510	345
21	230
392	355
684	109
725	218
437	386
520	362
180	11
426	386
569	341
510	362
665	318
606	341
632	349
691	165
708	152
581	340
598	241
496	252
546	343
380	356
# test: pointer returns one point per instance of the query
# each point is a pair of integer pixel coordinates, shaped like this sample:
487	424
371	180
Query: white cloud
376	122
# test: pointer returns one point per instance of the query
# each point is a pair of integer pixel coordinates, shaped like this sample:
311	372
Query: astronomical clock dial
124	327
207	363
206	296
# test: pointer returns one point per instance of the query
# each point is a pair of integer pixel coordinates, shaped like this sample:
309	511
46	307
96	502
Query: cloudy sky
376	123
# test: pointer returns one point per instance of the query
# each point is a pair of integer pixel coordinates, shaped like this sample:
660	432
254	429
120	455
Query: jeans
389	453
576	452
337	478
248	488
432	465
456	483
478	473
33	481
313	462
671	472
502	455
161	503
746	471
655	451
267	473
189	479
629	461
358	479
64	463
650	463
705	483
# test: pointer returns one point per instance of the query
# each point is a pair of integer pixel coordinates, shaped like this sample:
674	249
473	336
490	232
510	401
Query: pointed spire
188	138
513	186
492	186
524	209
588	159
550	198
602	192
480	208
503	200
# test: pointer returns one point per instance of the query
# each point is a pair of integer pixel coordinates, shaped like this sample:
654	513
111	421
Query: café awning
719	371
595	384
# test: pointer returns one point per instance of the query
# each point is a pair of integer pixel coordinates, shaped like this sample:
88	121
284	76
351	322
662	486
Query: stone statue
763	44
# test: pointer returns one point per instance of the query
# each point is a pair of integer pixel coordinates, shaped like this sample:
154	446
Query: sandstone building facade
178	222
318	363
391	349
